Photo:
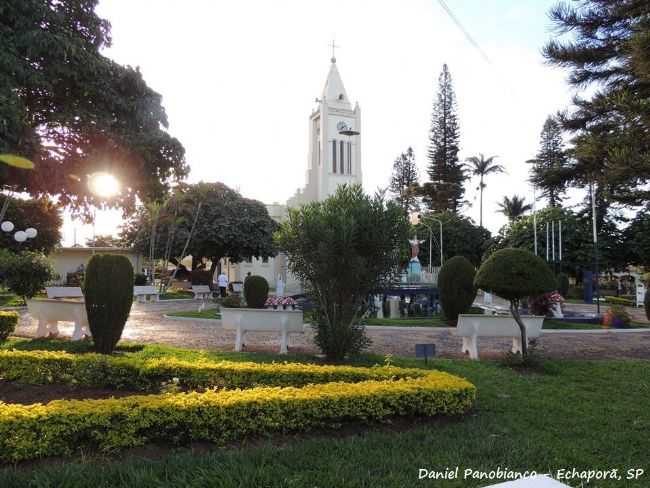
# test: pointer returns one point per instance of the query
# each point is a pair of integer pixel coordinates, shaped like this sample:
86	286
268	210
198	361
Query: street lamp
441	249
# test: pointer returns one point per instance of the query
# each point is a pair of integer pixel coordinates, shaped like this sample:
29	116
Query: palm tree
514	207
482	167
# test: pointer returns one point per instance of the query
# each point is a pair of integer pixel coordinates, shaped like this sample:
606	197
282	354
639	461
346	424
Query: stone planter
243	320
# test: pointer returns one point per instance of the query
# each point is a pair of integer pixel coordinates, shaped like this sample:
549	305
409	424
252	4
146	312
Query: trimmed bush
563	284
256	291
66	426
8	322
108	293
457	290
231	301
26	273
514	274
140	279
646	303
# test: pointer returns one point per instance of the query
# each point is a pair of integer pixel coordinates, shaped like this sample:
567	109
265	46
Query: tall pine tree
444	191
404	181
547	170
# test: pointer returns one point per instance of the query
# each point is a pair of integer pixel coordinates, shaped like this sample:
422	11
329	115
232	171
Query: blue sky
238	81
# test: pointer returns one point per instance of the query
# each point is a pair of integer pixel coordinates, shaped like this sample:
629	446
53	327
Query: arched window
333	155
349	168
342	162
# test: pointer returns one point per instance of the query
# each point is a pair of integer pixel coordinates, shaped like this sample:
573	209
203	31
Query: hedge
8	322
62	427
101	371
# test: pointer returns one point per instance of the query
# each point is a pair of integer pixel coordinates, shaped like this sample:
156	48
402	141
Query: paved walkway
148	324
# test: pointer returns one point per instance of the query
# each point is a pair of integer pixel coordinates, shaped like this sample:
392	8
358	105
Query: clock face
341	125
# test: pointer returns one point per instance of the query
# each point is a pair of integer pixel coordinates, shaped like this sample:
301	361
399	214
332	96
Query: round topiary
108	293
514	274
8	321
256	291
456	285
563	284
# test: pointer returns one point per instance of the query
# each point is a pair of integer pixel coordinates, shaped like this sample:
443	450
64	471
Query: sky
239	79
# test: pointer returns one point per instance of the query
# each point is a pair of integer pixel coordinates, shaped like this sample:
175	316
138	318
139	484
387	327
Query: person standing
222	281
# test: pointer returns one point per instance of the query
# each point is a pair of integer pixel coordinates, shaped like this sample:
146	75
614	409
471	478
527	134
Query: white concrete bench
49	312
64	292
201	292
262	320
144	293
470	327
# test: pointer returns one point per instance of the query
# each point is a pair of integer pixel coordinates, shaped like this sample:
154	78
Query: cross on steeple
334	46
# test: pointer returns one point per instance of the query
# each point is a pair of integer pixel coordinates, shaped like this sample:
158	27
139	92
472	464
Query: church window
333	155
349	167
342	150
341	97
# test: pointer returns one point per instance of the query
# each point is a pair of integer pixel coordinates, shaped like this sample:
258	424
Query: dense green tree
637	238
404	182
41	214
343	248
577	240
514	207
25	273
483	167
104	241
461	237
550	162
74	112
444	191
609	50
228	225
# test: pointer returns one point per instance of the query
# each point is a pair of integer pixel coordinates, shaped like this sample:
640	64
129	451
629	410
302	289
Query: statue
414	267
279	287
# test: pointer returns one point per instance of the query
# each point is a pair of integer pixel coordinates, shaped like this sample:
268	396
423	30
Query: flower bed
64	426
279	397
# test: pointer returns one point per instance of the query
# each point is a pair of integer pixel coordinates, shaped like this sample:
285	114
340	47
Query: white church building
334	158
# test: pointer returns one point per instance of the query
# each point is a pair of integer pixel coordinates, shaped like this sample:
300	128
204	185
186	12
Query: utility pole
595	236
534	219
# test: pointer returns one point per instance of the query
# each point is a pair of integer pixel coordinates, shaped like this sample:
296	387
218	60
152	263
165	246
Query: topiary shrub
646	303
25	273
563	284
256	291
108	293
456	285
231	301
514	274
8	322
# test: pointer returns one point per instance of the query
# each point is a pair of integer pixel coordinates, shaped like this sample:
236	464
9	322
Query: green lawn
11	300
434	321
176	294
556	324
211	313
582	414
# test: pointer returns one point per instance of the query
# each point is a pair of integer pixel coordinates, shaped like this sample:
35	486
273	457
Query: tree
514	274
228	225
457	291
609	50
461	237
637	238
343	248
41	214
514	207
550	162
25	273
444	191
577	244
482	167
74	112
404	181
104	241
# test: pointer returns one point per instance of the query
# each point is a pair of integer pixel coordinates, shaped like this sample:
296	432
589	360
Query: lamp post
441	247
430	240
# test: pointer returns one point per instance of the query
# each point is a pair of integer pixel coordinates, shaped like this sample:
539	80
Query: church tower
334	156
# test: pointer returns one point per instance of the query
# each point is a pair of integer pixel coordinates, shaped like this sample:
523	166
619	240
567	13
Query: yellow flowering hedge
63	426
101	371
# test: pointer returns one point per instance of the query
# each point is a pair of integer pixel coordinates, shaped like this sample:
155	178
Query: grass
582	414
433	321
211	313
558	324
176	294
11	300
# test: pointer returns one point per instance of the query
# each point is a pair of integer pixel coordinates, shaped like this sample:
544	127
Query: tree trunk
481	205
514	309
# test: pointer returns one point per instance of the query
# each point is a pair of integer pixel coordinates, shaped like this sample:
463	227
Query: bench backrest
497	325
64	292
144	290
51	309
201	289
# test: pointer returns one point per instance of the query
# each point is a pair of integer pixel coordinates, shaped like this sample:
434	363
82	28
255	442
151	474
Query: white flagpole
553	238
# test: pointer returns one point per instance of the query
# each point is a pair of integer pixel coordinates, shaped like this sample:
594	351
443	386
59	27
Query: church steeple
334	91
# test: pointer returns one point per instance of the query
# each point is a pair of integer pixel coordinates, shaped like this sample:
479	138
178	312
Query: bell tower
334	156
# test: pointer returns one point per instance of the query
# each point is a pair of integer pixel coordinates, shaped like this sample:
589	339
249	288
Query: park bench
470	327
145	293
49	312
201	292
244	320
64	292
